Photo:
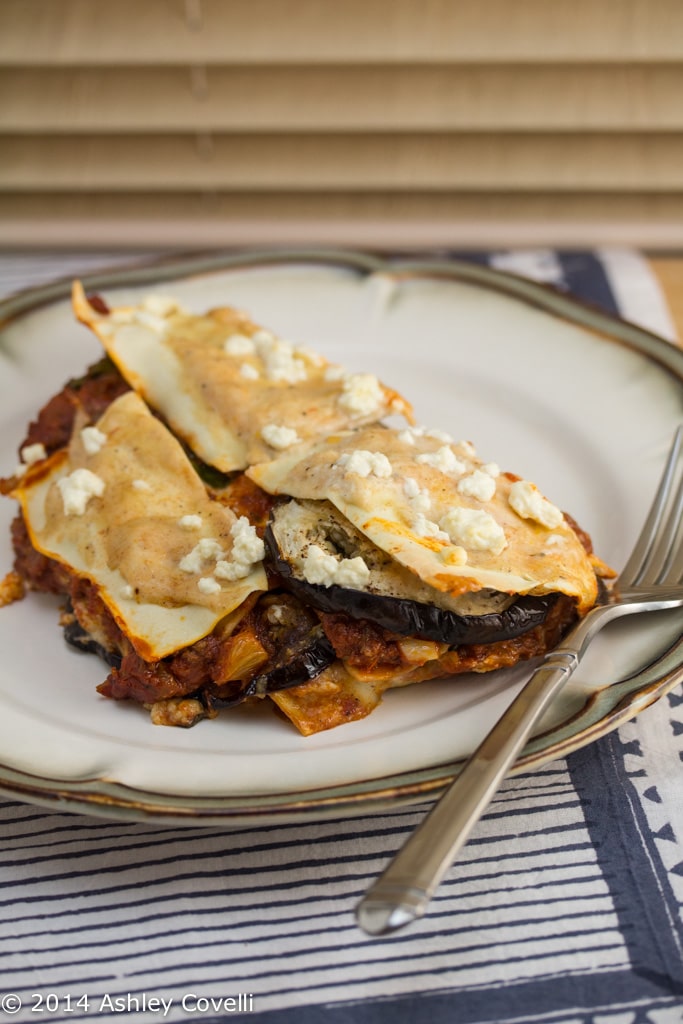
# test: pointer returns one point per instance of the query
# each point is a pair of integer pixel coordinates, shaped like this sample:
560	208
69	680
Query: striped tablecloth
565	907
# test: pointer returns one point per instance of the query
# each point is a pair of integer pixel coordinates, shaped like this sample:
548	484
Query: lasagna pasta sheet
434	507
124	508
234	392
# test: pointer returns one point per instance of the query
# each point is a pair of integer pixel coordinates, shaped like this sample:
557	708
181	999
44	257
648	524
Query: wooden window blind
219	122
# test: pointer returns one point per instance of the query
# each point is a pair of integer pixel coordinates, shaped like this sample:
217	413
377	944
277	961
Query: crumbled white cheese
406	436
324	569
279	437
352	572
263	337
276	614
205	550
419	497
232	570
422	502
319	566
362	394
121	316
492	468
528	502
127	592
468	448
247	550
77	489
477	485
93	440
30	454
423	527
161	305
152	321
334	372
409	435
247	546
190	522
311	355
364	463
141	485
474	529
439	435
445	460
33	453
239	345
208	585
249	372
280	360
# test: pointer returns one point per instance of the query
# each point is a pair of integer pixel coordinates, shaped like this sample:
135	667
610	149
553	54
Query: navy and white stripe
135	908
565	907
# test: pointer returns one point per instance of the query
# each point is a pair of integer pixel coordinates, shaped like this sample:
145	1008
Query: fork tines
657	558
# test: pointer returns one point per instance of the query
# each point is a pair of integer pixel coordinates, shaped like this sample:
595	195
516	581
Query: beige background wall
218	122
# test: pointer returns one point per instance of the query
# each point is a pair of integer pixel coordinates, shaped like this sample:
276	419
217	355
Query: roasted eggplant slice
294	666
298	647
88	630
76	636
392	597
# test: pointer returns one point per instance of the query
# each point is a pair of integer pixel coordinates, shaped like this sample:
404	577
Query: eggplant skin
76	636
294	667
299	663
413	618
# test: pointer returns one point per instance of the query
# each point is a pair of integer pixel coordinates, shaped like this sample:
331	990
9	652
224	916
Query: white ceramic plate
582	404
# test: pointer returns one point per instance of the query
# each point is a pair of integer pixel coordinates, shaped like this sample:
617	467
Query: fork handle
406	886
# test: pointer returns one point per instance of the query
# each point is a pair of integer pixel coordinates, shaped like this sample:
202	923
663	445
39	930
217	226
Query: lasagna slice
164	581
421	560
234	392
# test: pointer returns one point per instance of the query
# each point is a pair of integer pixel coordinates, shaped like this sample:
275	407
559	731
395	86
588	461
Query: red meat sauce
91	395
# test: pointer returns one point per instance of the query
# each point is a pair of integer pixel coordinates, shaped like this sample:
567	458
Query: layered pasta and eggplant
230	517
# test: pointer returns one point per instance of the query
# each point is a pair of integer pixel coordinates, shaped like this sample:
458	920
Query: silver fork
651	580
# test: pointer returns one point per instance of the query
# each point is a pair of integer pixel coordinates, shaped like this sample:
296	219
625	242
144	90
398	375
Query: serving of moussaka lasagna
229	517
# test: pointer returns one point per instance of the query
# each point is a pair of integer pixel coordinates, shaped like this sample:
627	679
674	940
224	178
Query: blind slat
280	100
323	163
357	220
77	32
412	204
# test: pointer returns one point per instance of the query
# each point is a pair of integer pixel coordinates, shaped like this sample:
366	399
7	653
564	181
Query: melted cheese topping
221	382
133	541
471	538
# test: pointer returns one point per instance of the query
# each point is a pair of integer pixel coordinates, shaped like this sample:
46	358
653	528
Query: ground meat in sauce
38	571
94	617
92	394
368	648
246	498
360	642
505	653
182	673
201	667
147	682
